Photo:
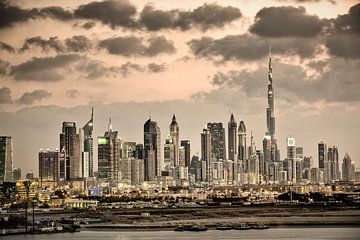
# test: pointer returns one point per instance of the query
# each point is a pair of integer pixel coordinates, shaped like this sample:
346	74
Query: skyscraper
169	155
348	169
174	133
152	150
291	157
323	160
70	142
49	167
109	152
16	174
6	159
333	160
217	132
186	145
243	163
232	138
206	160
88	153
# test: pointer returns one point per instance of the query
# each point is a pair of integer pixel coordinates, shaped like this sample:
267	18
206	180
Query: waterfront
299	233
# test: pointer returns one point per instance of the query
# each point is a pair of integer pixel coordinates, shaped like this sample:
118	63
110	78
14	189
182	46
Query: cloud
204	17
6	47
73	44
72	93
133	46
78	44
156	68
3	67
343	34
29	98
338	84
42	69
5	95
89	25
10	15
286	21
114	13
250	47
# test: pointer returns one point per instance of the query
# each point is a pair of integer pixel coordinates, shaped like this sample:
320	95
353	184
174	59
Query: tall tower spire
110	125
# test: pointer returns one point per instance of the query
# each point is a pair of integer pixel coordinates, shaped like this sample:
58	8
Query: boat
191	228
242	226
223	227
179	228
260	226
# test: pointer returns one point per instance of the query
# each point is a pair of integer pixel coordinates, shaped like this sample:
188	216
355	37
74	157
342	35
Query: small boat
197	228
223	227
260	226
179	228
242	226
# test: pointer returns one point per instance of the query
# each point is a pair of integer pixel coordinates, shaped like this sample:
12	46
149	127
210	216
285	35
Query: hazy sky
197	59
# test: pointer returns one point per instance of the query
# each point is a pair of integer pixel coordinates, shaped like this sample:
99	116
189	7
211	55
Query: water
316	233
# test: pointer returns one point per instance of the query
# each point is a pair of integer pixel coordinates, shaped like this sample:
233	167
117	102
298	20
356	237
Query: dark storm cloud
88	25
343	34
338	84
250	47
286	22
308	1
42	69
46	45
72	44
3	67
204	17
133	46
78	44
29	98
5	95
13	14
6	47
114	13
156	68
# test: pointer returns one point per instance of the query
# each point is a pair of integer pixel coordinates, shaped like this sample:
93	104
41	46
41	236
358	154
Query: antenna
92	112
110	126
270	50
150	114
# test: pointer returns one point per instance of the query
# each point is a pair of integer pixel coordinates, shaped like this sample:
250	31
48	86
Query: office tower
233	146
242	151
206	160
174	133
70	142
169	155
16	174
6	159
195	168
128	150
299	163
137	172
49	167
291	157
186	145
217	132
139	151
333	163
323	160
181	156
252	176
152	150
348	169
88	146
261	167
109	152
314	175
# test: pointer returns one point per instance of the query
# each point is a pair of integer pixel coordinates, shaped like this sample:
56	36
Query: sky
198	59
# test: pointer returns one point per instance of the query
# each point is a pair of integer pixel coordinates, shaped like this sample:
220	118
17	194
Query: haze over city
201	60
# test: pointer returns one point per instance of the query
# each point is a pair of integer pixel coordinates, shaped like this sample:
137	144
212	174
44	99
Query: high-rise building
50	163
242	143
137	172
16	174
88	146
314	175
206	160
169	155
186	145
6	159
139	151
333	163
152	150
109	152
70	142
174	134
348	169
232	139
291	157
323	160
217	132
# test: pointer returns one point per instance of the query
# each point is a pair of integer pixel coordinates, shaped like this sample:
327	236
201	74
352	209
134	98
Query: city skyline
35	99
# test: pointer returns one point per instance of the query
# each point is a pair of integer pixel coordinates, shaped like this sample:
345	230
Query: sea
300	233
